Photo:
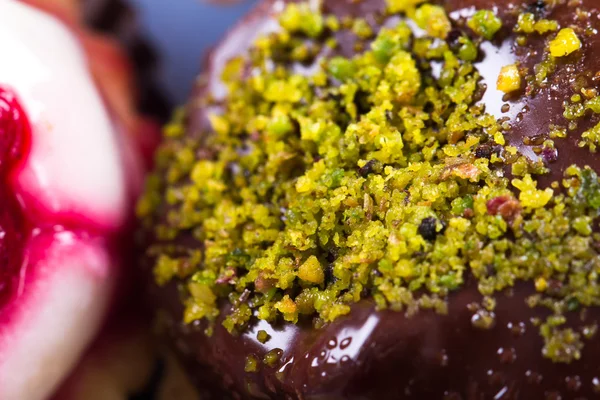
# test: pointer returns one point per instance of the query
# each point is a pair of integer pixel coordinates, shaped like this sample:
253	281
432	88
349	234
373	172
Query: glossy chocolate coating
385	354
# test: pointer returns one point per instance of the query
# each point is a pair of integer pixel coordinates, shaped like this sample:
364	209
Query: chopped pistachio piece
485	23
434	20
565	43
395	6
509	79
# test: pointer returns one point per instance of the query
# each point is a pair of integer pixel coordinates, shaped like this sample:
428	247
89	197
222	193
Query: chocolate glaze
385	354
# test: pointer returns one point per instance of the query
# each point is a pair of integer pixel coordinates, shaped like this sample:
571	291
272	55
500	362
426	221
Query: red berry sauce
15	229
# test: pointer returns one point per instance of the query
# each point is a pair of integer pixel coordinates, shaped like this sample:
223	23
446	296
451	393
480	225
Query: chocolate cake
369	199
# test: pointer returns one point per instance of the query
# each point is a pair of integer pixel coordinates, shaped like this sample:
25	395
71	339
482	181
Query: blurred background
181	31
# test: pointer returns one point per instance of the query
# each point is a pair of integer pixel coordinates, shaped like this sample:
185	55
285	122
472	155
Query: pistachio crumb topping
371	178
485	23
434	20
252	363
509	79
527	24
565	43
262	336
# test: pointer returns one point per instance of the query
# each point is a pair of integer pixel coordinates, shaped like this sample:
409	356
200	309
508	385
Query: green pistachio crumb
341	68
311	271
591	138
262	336
395	6
299	18
526	23
565	43
434	20
485	23
389	41
373	177
251	363
467	51
362	29
593	104
272	357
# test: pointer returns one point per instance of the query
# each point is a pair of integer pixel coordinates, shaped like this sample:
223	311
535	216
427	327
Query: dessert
385	199
70	168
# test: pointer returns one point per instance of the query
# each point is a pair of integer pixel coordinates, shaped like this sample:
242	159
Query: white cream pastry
66	178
